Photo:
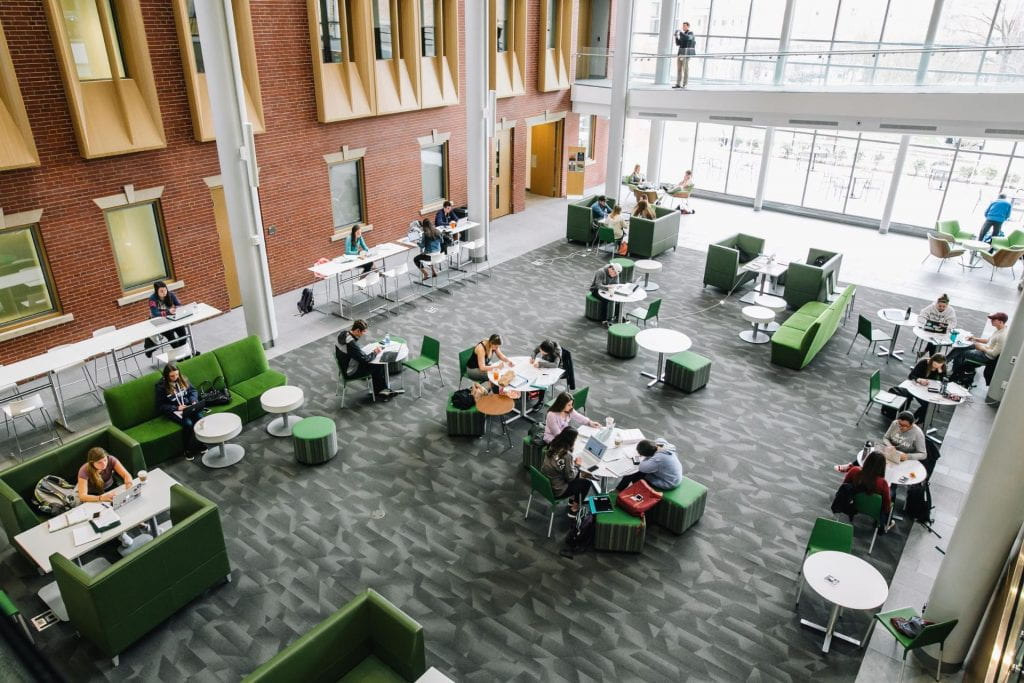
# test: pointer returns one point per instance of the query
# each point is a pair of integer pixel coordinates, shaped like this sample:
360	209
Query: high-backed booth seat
805	332
809	282
136	594
18	483
243	365
722	267
579	220
648	238
369	639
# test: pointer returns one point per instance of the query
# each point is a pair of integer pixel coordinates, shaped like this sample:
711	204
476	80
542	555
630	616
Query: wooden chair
941	247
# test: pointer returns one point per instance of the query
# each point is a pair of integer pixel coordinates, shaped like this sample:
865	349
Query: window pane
193	27
787	170
586	134
973	185
907	22
677	155
138	245
697	12
428	28
871	177
730	18
432	164
814	19
554	7
745	164
85	34
712	156
828	183
766	18
727	69
23	288
346	194
861	20
382	28
503	18
330	31
924	180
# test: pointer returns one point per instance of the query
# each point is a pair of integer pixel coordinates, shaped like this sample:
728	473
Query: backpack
843	503
638	498
892	411
580	537
305	302
463	399
54	496
918	506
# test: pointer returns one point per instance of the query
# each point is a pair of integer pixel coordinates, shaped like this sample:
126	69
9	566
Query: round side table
772	303
495	405
281	401
758	315
216	430
645	267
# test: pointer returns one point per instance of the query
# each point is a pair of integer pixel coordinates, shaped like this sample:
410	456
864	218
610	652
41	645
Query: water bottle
908	314
943	391
867	449
387	338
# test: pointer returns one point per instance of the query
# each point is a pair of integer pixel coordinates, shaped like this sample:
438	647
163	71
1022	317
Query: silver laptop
125	496
461	223
596	447
182	312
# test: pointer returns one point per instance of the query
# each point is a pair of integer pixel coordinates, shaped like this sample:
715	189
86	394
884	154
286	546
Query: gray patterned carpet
436	524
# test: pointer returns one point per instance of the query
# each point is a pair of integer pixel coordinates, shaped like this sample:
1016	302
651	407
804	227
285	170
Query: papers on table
629	436
547	377
107	519
85	534
74	516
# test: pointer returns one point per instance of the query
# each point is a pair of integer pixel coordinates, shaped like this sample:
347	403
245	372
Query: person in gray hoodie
659	466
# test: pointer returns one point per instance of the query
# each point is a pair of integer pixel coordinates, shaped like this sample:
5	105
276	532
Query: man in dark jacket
687	44
355	363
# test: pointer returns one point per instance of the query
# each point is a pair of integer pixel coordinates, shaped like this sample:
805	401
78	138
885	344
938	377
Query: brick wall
294	189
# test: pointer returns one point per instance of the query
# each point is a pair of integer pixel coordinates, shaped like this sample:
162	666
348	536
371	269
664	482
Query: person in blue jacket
995	215
355	245
430	243
162	303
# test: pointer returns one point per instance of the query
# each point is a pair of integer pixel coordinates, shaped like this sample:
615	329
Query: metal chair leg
873	537
551	522
852	342
529	501
865	412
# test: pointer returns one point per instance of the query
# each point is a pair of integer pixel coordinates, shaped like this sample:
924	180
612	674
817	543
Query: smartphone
592	468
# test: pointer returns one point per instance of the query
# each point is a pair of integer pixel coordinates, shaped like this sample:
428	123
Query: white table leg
225	455
59	400
658	377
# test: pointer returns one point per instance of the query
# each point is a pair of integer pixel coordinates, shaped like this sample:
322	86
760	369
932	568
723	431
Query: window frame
435	139
29	220
346	155
591	142
360	189
165	251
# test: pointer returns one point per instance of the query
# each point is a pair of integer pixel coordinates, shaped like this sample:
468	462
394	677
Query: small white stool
215	430
772	303
281	401
645	267
758	315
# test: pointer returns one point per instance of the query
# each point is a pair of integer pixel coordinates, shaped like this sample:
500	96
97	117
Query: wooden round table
495	405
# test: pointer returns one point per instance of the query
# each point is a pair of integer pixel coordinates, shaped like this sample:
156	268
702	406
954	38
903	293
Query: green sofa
243	364
648	238
807	282
18	483
127	600
578	220
369	639
722	267
805	332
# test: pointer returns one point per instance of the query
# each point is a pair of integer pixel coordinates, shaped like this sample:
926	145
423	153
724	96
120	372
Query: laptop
183	312
194	409
461	223
125	496
596	447
936	326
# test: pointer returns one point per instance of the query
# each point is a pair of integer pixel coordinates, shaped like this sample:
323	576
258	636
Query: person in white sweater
939	312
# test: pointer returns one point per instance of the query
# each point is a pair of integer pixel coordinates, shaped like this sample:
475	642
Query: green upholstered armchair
136	594
953	229
18	483
722	267
808	282
1014	240
578	222
648	238
369	639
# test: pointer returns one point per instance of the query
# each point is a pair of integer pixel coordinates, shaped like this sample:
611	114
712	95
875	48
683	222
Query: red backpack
638	498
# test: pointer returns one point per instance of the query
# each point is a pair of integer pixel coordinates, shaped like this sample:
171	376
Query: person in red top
871	479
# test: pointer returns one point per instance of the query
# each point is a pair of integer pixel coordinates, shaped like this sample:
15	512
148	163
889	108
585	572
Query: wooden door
546	158
227	250
501	174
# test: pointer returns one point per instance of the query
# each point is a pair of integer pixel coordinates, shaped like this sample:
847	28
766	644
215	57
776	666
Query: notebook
84	534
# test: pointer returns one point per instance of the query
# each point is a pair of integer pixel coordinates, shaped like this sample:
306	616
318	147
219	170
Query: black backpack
305	303
581	536
463	399
919	503
842	503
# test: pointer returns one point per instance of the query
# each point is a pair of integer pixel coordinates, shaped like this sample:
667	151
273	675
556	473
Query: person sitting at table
904	440
659	466
445	215
940	313
636	177
354	362
926	369
562	415
430	243
174	393
96	476
483	359
563	470
870	478
356	245
604	277
643	210
548	354
599	210
617	222
162	303
983	352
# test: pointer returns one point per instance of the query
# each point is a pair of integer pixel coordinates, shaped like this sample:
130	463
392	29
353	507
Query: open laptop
596	447
125	496
936	326
182	312
461	223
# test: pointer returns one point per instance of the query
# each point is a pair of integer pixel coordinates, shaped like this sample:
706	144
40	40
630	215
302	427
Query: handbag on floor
638	498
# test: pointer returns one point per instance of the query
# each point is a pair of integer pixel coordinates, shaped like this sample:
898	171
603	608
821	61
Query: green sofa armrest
578	220
648	238
126	449
15	514
749	243
397	637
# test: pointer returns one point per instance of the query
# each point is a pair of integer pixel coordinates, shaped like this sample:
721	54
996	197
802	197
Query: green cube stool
622	340
469	422
681	507
618	530
627	268
593	308
688	371
533	452
314	440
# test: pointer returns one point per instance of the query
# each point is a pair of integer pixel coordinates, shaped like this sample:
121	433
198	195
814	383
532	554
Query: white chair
112	356
392	276
169	355
23	408
368	286
469	248
437	264
93	390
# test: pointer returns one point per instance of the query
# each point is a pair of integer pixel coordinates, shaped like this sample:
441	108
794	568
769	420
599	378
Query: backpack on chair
53	496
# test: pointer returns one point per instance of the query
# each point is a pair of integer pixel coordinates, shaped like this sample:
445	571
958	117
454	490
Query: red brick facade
294	188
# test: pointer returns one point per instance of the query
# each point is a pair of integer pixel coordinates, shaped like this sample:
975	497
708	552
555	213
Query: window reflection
85	27
25	289
382	28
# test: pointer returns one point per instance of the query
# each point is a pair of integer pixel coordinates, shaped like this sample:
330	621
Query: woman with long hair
483	359
930	369
870	478
430	243
355	245
162	303
96	476
174	395
643	210
563	470
561	417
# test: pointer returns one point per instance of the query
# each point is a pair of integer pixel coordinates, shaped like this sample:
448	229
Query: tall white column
479	117
236	150
662	74
991	516
621	60
787	29
766	158
894	184
1008	359
929	40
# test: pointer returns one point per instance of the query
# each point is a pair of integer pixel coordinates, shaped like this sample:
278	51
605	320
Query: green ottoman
593	309
315	440
681	507
622	340
618	530
688	371
627	269
533	452
469	422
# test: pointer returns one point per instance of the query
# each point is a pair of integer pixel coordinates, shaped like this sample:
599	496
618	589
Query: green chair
592	310
539	483
870	504
867	330
882	398
605	235
314	440
622	340
681	507
648	238
688	371
464	357
10	611
579	399
533	452
722	266
627	268
827	534
619	531
645	313
1014	240
430	357
934	634
343	383
953	229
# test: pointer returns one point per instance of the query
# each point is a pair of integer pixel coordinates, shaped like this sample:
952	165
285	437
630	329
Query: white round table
661	341
536	378
897	317
617	298
215	430
944	338
758	315
773	303
846	581
645	267
402	352
934	398
906	473
975	247
617	462
281	401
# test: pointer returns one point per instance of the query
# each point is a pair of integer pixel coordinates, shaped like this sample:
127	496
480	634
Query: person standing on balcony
995	215
687	44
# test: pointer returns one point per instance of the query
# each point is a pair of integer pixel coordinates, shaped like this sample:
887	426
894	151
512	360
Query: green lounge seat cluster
243	364
722	266
688	371
806	282
578	220
314	440
648	238
679	509
804	333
